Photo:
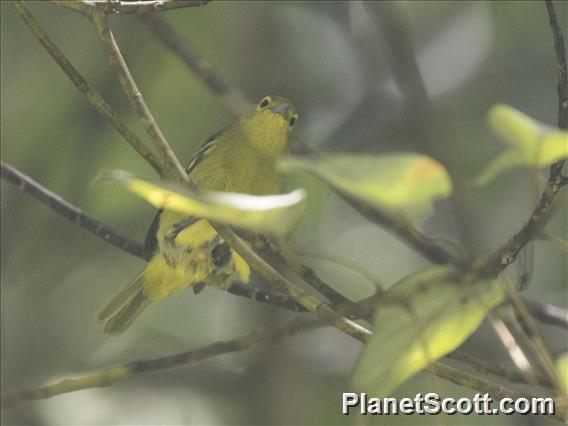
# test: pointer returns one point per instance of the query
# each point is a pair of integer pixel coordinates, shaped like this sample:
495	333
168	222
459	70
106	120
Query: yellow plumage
187	251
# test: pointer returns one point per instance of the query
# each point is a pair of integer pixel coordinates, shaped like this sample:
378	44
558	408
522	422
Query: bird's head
268	125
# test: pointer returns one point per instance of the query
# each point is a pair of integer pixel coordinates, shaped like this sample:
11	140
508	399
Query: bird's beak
281	109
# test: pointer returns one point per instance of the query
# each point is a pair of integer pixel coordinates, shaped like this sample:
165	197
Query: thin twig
69	211
496	391
167	34
280	254
560	51
560	243
172	167
493	264
322	310
548	314
128	7
423	244
511	340
109	235
504	256
494	369
111	375
83	7
345	262
269	297
532	333
80	83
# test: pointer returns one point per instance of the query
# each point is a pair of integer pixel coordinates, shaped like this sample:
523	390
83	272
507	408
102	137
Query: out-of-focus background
341	66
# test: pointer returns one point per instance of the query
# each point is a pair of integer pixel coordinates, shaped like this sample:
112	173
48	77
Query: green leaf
425	316
562	370
529	143
404	184
271	214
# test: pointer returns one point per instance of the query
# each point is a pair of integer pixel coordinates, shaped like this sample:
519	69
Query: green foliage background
329	58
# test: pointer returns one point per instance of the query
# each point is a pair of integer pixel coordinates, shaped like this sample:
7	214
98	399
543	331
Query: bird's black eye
293	120
264	102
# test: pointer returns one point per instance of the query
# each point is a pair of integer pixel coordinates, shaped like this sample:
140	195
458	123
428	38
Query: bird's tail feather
125	307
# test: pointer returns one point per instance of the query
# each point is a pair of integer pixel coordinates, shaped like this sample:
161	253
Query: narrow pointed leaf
404	184
271	214
529	143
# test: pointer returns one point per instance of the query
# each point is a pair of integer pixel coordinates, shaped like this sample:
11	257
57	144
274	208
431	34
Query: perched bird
186	251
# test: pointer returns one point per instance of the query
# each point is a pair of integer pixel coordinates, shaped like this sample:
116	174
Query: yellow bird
186	251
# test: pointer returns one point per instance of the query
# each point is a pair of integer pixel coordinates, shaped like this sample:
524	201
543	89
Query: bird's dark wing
151	241
205	149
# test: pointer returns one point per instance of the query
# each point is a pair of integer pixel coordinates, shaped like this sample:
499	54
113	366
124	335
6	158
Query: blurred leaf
403	184
271	214
426	315
562	370
530	143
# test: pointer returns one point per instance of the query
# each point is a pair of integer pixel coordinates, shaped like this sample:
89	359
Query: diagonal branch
107	234
484	367
505	255
423	244
560	51
80	83
109	376
69	211
172	167
165	32
496	391
139	7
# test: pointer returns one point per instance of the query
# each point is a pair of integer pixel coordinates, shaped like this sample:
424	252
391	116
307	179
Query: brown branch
320	309
423	244
505	255
560	51
172	167
69	211
496	391
167	34
142	7
109	376
83	7
491	368
61	206
80	83
269	297
275	252
113	7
